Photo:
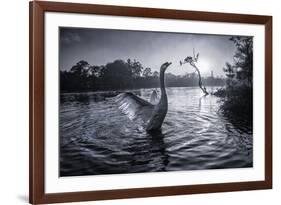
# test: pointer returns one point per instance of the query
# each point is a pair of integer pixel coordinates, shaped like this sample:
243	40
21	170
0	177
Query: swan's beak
168	64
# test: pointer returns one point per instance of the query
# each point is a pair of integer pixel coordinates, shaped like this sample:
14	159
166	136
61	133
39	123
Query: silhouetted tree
97	71
243	58
147	72
120	75
238	93
80	68
155	74
135	67
117	74
229	72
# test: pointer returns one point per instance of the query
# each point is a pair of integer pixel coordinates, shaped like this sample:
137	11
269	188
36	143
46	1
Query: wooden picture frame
37	11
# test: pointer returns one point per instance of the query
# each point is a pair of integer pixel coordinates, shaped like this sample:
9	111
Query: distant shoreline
133	89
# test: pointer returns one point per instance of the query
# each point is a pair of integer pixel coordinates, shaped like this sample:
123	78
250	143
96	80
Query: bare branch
192	61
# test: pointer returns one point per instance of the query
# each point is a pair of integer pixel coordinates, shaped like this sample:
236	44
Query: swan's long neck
160	110
162	86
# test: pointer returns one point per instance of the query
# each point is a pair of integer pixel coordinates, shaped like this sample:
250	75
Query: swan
137	108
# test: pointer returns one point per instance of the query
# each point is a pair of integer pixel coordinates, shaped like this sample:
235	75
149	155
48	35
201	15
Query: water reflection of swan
154	154
137	108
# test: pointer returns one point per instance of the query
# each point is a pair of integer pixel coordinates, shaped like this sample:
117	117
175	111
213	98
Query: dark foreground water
96	138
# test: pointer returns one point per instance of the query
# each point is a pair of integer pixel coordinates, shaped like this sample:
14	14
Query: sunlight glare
204	67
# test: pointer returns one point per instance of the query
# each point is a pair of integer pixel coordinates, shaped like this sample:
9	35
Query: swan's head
165	66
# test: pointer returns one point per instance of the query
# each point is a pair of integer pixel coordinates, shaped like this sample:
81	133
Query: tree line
121	74
238	92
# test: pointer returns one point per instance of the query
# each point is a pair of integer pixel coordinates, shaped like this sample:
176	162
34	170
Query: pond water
97	138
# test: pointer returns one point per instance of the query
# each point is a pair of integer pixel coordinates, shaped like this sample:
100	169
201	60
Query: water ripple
96	138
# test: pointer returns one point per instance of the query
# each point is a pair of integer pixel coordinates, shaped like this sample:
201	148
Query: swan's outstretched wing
154	97
134	107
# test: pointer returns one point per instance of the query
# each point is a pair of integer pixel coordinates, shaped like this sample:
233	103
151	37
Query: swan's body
137	108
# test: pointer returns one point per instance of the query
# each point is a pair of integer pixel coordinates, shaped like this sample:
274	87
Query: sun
203	66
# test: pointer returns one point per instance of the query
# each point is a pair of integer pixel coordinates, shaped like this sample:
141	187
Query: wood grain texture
36	105
268	102
36	90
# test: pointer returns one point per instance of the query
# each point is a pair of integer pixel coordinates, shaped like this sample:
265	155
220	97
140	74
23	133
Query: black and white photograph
149	101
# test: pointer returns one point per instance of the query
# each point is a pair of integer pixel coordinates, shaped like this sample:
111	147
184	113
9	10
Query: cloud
70	37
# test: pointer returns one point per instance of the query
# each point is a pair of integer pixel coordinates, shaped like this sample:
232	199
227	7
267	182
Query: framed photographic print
139	102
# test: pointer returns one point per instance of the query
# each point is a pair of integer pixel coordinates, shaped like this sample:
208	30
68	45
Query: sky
152	49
